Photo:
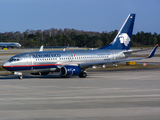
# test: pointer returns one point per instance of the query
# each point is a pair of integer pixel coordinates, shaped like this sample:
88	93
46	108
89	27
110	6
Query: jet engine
70	71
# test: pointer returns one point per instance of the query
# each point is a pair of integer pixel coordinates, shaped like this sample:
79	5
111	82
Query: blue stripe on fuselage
28	67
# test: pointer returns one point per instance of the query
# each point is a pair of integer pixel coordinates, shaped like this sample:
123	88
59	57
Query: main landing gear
82	75
20	76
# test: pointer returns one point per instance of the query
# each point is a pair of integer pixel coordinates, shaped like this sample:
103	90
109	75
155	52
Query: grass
1	68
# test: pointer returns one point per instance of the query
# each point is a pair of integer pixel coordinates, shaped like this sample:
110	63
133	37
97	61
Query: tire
83	75
20	77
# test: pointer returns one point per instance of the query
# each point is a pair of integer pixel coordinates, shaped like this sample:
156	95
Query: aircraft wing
133	51
86	65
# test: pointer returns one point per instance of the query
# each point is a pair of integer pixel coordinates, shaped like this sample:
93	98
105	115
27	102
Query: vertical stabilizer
41	48
123	38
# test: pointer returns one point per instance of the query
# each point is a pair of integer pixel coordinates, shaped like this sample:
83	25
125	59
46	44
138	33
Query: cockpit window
11	59
14	59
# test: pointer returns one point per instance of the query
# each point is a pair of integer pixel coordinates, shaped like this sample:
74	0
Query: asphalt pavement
102	95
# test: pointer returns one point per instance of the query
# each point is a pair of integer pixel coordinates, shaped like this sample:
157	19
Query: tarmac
102	95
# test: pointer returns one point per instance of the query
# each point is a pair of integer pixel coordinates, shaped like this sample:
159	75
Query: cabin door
114	55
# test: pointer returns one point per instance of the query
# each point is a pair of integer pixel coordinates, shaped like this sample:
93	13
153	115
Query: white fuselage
52	60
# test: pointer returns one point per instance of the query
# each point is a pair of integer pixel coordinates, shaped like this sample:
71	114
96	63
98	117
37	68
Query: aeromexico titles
75	62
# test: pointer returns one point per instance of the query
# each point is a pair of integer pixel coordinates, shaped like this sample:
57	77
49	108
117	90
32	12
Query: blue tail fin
123	39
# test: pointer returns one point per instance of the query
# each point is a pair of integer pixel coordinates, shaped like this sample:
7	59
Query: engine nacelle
70	71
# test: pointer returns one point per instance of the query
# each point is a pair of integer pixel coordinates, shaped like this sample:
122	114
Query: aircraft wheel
20	77
83	75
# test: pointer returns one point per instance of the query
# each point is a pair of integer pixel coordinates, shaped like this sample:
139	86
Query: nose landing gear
20	76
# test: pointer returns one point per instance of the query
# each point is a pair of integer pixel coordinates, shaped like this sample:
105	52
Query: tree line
72	37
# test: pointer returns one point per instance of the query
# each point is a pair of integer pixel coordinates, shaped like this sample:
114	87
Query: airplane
75	62
9	44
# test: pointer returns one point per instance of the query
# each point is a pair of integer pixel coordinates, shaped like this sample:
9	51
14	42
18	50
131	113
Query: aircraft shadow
8	77
28	76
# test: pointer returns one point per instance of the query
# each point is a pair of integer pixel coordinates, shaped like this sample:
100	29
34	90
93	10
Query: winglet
152	52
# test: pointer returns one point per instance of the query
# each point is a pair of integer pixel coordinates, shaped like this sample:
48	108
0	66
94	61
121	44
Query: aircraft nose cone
5	65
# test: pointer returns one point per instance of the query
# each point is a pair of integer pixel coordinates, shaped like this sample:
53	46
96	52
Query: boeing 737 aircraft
75	62
7	45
